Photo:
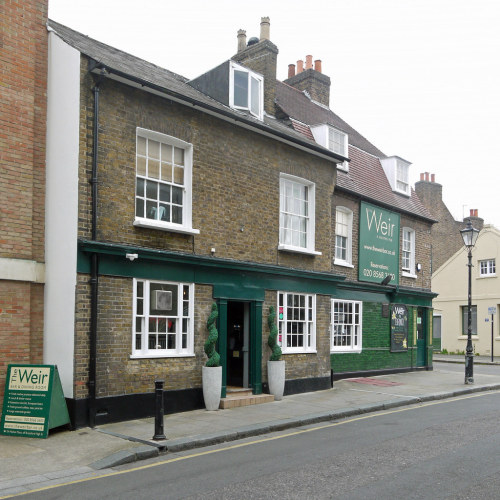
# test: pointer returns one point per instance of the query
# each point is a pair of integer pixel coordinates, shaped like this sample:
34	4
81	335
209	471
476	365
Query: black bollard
159	435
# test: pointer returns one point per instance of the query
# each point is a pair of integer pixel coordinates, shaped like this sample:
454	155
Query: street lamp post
469	235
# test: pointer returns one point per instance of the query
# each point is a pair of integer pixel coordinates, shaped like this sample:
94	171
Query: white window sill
342	263
343	351
302	351
163	355
404	193
406	274
290	248
164	226
485	276
464	337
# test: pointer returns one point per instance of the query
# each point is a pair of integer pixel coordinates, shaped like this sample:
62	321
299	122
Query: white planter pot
276	378
212	385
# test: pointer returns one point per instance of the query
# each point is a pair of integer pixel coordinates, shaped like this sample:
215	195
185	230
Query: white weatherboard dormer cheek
397	172
246	90
333	139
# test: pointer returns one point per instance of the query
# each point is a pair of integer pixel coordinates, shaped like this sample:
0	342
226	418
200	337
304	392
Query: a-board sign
399	328
33	401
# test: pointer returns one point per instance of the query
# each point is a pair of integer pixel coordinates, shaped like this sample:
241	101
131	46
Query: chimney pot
300	66
317	65
433	177
422	176
309	62
265	28
291	70
242	40
471	212
476	212
427	176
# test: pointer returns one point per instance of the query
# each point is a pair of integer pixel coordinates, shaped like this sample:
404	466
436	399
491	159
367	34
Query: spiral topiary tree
273	335
213	335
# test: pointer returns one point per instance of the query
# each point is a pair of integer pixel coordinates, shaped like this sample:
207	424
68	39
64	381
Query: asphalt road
448	449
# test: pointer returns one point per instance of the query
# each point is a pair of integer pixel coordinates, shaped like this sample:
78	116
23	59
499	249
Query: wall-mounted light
132	256
418	267
212	250
386	280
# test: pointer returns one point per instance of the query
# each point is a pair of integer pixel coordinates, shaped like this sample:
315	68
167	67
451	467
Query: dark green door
421	336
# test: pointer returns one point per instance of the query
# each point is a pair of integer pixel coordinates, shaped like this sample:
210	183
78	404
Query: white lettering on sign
383	227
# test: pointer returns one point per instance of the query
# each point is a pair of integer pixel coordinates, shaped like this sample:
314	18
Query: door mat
374	381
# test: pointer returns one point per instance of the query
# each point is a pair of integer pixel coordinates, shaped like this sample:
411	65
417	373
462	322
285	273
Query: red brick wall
23	63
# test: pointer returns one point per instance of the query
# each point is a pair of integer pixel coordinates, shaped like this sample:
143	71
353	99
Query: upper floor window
397	171
403	177
346	326
246	90
408	252
296	322
163	182
487	267
343	236
297	214
337	142
163	319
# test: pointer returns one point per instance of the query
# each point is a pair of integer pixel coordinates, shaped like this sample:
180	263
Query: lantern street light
469	235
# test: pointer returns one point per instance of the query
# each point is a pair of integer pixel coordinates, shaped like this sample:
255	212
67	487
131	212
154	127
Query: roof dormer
397	172
333	139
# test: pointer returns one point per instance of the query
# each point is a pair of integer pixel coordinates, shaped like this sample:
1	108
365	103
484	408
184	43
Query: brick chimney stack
312	80
262	58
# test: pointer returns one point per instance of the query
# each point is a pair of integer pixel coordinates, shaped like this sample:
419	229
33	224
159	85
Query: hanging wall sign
399	328
378	244
33	401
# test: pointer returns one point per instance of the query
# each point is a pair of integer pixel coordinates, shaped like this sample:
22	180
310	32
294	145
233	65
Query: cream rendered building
450	307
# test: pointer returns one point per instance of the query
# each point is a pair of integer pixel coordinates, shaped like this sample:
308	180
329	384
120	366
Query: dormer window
397	171
333	139
402	177
246	90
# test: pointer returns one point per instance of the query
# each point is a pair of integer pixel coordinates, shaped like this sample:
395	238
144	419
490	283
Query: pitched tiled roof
366	177
176	85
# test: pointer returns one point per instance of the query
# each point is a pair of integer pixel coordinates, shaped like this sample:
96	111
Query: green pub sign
33	401
378	244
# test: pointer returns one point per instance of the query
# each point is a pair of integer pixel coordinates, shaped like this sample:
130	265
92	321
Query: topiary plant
273	335
213	335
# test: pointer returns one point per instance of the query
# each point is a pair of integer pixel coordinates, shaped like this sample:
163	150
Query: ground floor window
346	326
296	322
163	318
465	320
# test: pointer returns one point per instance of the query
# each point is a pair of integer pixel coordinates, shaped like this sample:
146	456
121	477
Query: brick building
22	181
232	188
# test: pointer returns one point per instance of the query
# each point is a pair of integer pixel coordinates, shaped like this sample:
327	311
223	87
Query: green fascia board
230	278
237	279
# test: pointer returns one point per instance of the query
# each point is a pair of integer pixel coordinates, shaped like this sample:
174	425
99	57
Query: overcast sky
418	78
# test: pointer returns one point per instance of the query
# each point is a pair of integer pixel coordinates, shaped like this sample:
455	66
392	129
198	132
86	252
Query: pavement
30	463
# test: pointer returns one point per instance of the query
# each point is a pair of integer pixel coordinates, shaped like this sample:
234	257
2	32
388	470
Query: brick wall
23	58
316	84
236	178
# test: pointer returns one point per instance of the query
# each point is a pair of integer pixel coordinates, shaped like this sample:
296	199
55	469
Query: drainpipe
94	263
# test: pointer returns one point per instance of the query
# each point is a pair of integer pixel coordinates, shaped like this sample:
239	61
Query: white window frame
252	77
144	351
343	145
287	180
464	310
348	214
402	177
186	226
356	334
285	318
408	235
487	268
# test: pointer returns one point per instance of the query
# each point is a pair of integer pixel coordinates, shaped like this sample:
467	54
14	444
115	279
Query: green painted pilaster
256	347
222	347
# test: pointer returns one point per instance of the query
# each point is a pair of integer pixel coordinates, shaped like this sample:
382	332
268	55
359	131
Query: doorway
238	344
421	337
